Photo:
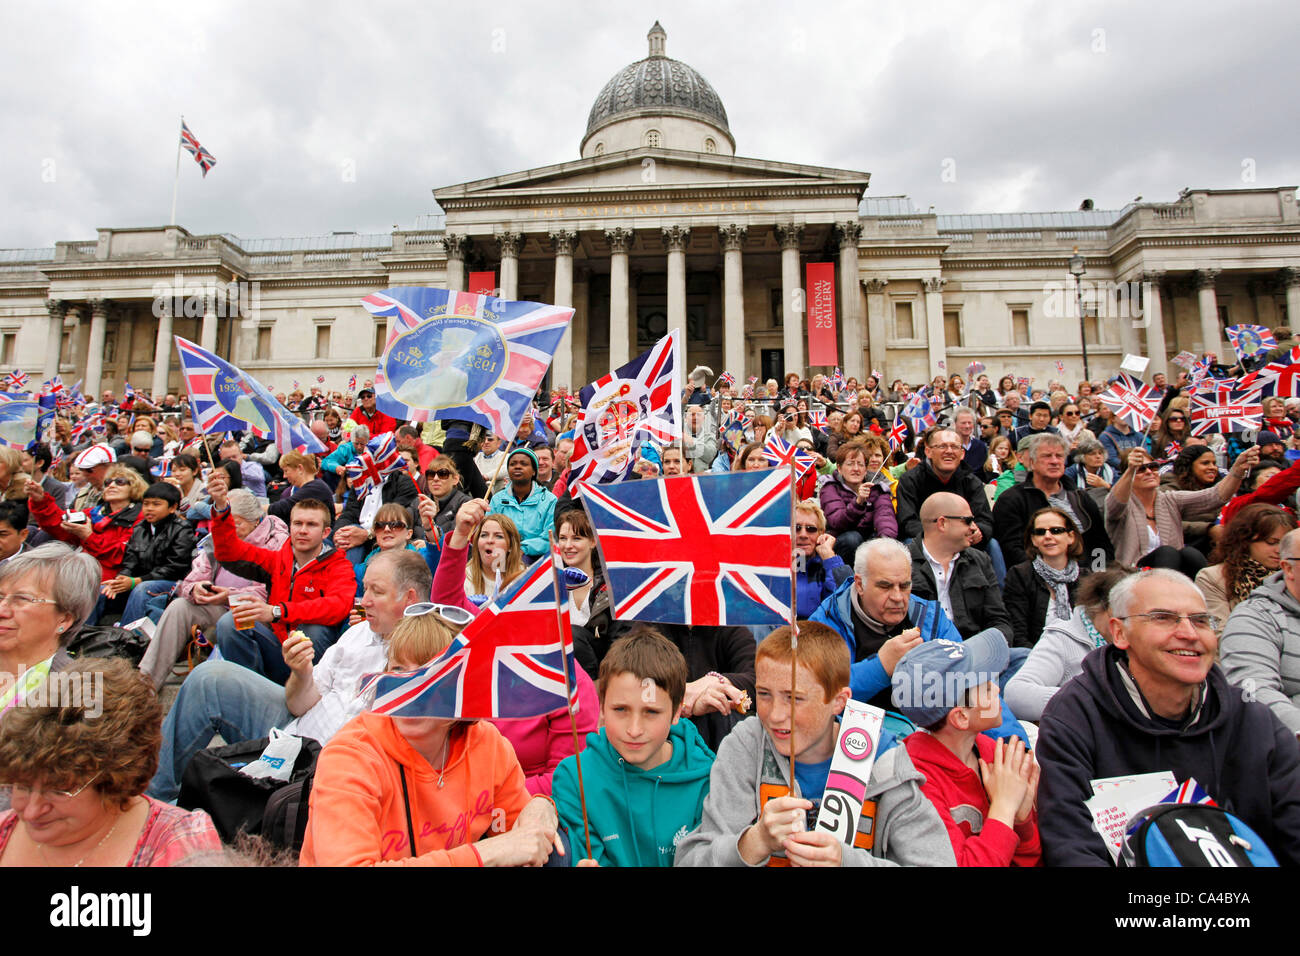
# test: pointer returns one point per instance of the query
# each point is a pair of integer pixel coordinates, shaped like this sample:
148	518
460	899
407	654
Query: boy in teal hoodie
646	773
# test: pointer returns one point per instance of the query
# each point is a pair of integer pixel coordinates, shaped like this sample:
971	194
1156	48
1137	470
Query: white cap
98	454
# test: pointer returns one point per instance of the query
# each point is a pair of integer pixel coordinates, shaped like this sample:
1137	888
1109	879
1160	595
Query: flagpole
568	693
176	180
794	613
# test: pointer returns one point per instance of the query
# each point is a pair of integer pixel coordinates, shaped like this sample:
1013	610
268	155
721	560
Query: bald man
946	569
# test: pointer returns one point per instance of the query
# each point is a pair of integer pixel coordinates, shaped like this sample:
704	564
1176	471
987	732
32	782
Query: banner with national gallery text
457	355
820	296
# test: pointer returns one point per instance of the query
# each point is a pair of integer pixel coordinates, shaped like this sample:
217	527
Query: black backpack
1192	835
106	640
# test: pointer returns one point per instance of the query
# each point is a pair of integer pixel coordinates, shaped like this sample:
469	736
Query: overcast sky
344	116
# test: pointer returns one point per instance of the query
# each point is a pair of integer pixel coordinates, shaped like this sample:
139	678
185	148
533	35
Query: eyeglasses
440	473
19	601
810	528
448	612
964	519
946	446
119	481
1169	621
1148	466
390	526
24	792
1054	531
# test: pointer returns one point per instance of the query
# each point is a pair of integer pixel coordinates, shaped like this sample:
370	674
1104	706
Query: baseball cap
95	455
364	392
933	677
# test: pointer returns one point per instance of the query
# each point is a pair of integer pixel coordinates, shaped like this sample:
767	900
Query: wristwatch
275	613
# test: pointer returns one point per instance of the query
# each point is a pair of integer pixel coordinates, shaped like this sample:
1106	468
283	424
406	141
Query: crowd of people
1093	600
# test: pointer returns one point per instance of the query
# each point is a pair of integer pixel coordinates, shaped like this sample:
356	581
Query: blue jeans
847	544
199	511
259	648
218	698
138	601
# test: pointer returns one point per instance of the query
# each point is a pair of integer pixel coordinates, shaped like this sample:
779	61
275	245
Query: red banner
819	292
482	283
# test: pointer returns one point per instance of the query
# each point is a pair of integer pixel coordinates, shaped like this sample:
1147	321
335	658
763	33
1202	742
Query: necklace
102	841
442	769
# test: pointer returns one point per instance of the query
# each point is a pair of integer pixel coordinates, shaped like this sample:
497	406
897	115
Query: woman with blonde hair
13	480
106	528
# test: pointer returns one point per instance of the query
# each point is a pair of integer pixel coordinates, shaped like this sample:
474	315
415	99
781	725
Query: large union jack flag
1249	340
461	355
1280	378
781	453
225	399
639	402
1224	408
697	549
507	664
1131	401
201	156
368	469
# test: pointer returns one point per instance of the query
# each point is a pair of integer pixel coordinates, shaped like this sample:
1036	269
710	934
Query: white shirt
942	578
338	675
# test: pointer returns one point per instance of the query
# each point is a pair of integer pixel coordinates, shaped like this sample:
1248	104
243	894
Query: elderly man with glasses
1153	699
1261	640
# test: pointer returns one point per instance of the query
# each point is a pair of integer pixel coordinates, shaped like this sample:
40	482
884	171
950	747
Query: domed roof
656	84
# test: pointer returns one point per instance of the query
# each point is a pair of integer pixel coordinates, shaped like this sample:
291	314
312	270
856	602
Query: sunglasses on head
448	612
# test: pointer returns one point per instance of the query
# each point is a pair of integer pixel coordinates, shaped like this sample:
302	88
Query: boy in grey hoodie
750	818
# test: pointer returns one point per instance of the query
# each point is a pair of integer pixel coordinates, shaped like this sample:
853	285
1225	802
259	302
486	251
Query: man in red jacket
310	586
367	414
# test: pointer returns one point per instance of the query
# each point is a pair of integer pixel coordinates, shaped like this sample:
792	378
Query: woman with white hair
699	393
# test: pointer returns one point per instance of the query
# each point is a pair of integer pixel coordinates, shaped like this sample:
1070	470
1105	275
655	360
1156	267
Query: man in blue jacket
530	506
879	618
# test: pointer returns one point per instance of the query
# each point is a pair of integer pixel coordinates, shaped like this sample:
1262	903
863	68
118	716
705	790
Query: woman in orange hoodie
419	791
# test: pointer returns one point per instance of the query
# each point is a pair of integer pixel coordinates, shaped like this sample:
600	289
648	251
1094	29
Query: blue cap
933	677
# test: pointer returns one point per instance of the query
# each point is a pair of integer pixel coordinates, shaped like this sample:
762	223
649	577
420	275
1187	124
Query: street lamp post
1077	269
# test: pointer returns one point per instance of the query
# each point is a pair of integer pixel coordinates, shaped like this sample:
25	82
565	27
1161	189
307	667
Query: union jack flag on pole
727	379
1280	378
510	662
921	412
639	402
201	156
16	381
367	470
897	435
1249	340
461	355
1132	401
1225	408
225	399
781	453
697	549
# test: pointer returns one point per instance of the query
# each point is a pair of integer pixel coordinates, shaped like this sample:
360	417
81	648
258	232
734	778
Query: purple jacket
875	519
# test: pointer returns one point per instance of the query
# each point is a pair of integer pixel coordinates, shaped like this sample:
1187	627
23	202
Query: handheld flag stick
568	691
487	495
794	614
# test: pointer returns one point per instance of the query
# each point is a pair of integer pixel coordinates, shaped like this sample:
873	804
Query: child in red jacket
984	791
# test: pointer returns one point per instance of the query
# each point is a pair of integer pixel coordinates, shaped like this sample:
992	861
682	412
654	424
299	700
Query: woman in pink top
75	774
540	742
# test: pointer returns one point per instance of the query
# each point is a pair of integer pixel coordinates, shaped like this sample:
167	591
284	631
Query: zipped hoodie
1098	726
637	817
906	830
1261	648
358	814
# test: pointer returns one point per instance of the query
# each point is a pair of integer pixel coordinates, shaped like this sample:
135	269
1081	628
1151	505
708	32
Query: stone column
676	238
80	335
1209	306
1155	323
792	299
850	298
54	336
581	313
619	240
733	300
208	331
1291	281
936	347
877	340
1128	320
509	243
454	245
95	348
162	352
562	367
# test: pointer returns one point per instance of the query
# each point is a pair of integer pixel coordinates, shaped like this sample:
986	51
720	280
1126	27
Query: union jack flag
974	369
921	412
163	469
87	426
225	399
897	435
201	156
817	419
1280	378
1132	401
753	379
836	379
1225	408
1023	383
1184	359
487	356
1172	449
727	379
697	549
1250	340
1060	366
16	381
352	383
367	470
320	379
639	402
781	453
508	663
52	386
127	390
747	391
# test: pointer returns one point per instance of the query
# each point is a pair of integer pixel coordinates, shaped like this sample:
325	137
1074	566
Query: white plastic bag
277	759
